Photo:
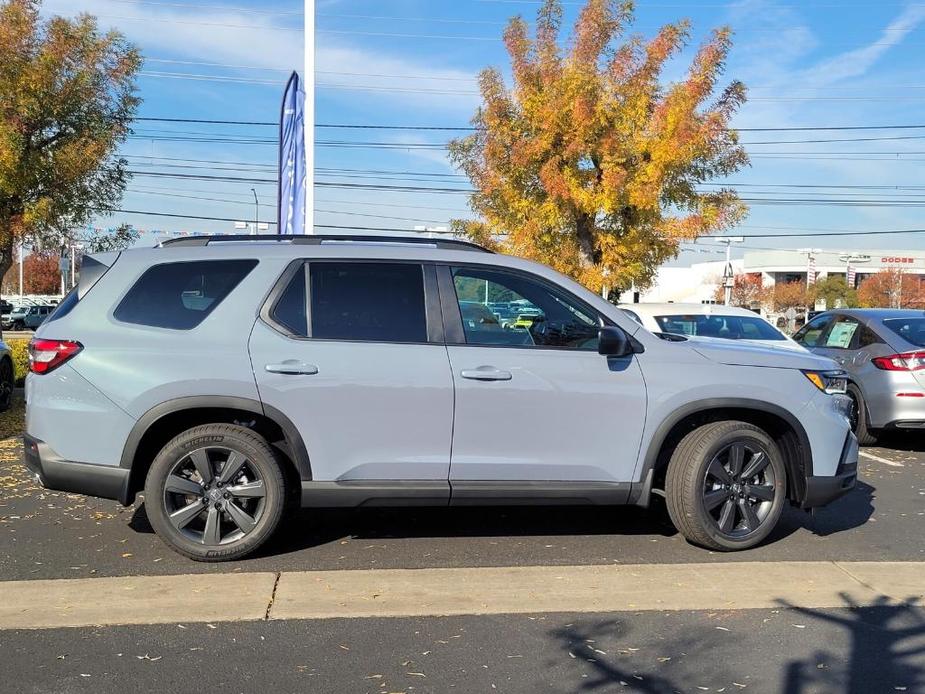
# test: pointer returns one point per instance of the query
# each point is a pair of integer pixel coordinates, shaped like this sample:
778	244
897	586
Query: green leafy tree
834	290
67	99
587	161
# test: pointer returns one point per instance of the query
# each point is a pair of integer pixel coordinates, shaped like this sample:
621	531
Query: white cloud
857	62
223	36
384	77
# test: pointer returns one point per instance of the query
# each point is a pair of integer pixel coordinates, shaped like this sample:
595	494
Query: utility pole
256	210
728	274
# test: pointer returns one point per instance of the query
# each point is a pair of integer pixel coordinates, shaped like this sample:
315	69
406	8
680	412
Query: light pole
847	259
256	210
21	251
309	114
728	274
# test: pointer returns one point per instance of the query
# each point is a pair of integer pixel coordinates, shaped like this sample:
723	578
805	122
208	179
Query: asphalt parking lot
47	534
50	535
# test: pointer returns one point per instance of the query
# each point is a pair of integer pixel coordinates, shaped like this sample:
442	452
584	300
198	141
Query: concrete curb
439	592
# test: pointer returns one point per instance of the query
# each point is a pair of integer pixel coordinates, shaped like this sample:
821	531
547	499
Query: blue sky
412	62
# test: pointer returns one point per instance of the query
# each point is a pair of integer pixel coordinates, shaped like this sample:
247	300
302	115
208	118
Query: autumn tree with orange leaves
892	288
587	162
747	291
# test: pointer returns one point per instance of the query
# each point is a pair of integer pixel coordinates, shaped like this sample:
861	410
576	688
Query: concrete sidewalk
465	591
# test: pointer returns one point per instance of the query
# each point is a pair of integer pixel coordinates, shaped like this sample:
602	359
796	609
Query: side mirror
613	342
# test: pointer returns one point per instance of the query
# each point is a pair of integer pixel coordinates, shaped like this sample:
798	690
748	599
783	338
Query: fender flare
291	433
642	488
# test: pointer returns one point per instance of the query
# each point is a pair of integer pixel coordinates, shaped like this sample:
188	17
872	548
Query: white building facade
698	282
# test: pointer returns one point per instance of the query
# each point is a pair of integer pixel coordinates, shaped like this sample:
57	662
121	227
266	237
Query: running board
352	494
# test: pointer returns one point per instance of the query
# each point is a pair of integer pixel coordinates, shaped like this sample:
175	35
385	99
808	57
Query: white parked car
709	320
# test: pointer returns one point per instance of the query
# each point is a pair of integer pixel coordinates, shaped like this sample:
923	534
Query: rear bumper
53	472
822	490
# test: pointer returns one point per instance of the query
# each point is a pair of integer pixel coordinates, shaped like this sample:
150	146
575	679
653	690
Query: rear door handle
486	373
292	367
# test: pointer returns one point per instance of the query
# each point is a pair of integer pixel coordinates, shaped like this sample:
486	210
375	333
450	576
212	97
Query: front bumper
53	472
822	490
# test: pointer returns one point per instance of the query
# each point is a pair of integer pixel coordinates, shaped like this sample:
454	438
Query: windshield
728	327
910	329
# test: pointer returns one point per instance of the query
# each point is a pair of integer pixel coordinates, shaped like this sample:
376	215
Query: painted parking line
464	591
877	458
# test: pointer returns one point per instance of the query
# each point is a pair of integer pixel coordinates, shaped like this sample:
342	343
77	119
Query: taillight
908	361
48	355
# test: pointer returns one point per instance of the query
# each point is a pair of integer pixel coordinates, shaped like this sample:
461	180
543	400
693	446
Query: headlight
831	382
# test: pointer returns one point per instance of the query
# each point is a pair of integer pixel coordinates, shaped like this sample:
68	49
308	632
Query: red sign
898	260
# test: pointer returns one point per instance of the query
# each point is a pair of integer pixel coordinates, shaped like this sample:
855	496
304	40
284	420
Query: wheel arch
782	425
164	421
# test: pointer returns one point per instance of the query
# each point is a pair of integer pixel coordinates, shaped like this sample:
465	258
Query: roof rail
320	239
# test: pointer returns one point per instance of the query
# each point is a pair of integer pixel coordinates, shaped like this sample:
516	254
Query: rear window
726	327
179	296
377	302
910	329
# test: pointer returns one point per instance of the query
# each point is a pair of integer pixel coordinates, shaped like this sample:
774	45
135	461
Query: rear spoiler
92	268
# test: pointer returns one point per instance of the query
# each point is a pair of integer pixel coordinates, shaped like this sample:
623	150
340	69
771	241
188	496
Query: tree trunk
6	261
584	228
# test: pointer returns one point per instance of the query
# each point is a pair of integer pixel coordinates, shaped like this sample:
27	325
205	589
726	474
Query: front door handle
486	373
292	367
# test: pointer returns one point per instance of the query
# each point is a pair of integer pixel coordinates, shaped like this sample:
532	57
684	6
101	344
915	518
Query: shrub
19	350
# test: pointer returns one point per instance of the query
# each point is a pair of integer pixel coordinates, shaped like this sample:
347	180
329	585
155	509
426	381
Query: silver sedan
883	351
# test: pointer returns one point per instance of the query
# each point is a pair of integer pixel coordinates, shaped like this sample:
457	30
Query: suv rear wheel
726	486
215	492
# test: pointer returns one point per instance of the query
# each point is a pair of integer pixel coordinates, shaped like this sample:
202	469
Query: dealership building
698	282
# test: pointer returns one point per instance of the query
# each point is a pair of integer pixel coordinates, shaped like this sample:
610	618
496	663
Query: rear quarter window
180	296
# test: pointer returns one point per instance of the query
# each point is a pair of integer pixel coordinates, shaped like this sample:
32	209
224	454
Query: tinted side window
868	337
541	317
376	302
809	334
290	309
180	296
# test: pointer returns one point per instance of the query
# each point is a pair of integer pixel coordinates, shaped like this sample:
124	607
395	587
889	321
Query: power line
176	216
208	121
251	204
249	27
232	66
834	233
217	8
373	126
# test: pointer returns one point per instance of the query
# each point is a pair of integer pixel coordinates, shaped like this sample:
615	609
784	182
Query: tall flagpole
309	85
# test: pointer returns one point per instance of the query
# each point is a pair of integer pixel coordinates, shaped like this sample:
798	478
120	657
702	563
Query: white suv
227	377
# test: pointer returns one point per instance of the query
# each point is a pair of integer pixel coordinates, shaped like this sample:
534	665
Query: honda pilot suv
227	379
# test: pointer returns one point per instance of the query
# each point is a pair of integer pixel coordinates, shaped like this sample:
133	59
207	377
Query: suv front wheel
215	492
726	486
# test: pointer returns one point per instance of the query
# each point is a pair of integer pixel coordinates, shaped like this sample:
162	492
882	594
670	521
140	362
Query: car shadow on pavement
313	527
310	528
883	651
851	511
911	441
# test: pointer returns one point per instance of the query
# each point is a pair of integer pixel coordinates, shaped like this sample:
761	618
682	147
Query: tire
18	326
715	507
859	423
7	383
236	515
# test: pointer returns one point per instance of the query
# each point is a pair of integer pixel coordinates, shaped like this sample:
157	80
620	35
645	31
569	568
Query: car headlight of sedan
831	382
